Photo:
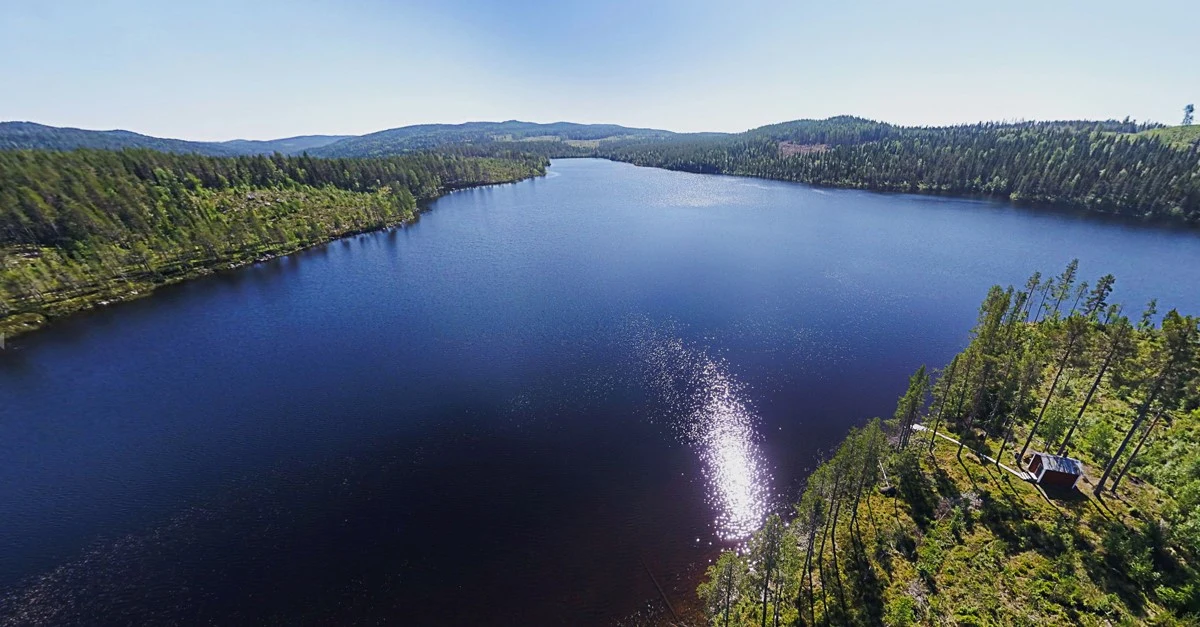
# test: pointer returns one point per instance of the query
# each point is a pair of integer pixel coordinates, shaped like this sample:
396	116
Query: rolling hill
30	135
532	137
1124	167
288	145
430	136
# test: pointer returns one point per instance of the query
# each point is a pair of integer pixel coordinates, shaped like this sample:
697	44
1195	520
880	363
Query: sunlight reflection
727	439
708	408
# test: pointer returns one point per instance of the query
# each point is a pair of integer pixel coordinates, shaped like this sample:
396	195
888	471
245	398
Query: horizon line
392	128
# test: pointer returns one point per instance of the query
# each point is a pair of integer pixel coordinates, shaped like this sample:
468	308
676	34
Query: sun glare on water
712	416
727	440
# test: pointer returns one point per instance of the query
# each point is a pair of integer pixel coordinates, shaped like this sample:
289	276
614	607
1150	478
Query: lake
526	408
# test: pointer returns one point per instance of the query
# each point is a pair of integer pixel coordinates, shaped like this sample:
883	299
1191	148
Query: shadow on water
366	519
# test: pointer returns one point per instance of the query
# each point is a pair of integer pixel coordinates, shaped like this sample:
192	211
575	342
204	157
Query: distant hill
19	135
568	137
427	136
287	145
843	129
847	129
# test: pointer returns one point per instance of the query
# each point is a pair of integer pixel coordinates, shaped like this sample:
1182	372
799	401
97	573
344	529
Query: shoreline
20	323
1040	206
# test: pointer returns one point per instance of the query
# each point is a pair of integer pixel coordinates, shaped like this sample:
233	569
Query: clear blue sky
220	69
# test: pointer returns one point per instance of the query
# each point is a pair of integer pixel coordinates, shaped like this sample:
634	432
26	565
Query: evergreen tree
1171	363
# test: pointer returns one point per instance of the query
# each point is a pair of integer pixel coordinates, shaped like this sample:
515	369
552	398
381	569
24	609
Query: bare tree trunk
778	598
1027	303
962	396
1062	450
1045	291
868	466
1008	368
991	418
942	405
766	595
1137	422
837	571
909	420
808	555
962	443
821	569
1137	449
1062	364
1011	430
728	592
1078	297
1008	434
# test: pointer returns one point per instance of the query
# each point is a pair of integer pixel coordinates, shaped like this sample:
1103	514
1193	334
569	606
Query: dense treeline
82	227
922	519
54	198
390	142
549	149
1092	165
1122	167
846	129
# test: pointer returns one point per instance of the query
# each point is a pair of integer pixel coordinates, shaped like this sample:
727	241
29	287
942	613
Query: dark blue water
506	413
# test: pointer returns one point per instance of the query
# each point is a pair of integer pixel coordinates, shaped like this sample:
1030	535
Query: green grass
1181	136
966	543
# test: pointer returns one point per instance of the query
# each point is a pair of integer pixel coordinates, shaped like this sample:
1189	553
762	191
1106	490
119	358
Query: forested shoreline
899	527
1123	167
1110	167
1143	171
90	227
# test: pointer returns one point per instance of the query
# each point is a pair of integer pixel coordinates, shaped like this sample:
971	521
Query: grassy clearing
1181	136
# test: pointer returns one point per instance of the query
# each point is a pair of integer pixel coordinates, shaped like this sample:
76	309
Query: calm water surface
507	413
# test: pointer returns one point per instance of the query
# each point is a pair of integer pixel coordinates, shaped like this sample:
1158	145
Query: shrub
901	612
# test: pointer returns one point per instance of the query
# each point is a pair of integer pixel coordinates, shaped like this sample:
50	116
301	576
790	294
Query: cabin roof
1056	463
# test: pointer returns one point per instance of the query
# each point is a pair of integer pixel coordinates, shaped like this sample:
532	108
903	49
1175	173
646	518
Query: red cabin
1055	470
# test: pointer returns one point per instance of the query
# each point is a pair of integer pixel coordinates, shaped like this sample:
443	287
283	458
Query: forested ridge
899	527
32	136
88	227
390	142
1117	167
1113	167
84	227
510	135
